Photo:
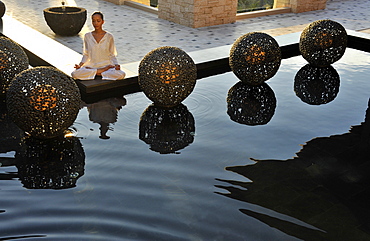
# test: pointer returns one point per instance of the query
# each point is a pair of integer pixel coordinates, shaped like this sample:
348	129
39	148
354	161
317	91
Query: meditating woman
99	54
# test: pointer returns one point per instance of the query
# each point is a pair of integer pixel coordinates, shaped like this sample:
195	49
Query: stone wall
198	13
203	13
145	2
281	3
299	6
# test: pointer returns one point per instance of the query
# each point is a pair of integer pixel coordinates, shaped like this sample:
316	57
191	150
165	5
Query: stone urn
2	9
65	20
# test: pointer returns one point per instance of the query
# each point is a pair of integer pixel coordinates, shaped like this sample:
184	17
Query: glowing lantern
255	57
13	60
43	101
323	42
167	76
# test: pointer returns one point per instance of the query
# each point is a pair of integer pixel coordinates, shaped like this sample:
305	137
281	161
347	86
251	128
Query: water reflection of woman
105	112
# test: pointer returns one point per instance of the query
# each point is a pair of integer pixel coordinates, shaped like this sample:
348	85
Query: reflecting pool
132	171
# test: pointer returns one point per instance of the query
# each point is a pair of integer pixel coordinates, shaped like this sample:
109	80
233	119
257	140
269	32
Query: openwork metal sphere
13	60
316	85
167	76
255	57
54	163
251	105
323	42
43	101
167	130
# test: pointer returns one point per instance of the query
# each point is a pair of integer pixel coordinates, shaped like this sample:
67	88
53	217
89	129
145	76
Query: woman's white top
98	55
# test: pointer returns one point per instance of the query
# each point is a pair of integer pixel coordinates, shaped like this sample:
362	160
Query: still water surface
129	187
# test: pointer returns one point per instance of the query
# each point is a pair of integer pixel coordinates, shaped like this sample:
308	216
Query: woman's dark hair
98	13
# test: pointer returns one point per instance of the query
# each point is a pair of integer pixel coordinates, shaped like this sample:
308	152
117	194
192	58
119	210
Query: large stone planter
2	9
65	21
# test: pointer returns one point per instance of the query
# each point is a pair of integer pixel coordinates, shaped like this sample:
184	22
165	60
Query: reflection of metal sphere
316	85
50	164
167	130
43	101
251	105
255	57
323	42
10	132
167	75
13	60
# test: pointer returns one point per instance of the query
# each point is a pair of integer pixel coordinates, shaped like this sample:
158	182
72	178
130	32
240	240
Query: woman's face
97	21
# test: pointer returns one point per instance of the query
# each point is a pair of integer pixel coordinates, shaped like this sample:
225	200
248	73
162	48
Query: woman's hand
101	70
117	67
77	66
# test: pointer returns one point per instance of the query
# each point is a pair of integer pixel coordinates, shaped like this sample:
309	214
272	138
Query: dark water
134	186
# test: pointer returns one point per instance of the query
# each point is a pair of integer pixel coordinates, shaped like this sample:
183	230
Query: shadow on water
326	186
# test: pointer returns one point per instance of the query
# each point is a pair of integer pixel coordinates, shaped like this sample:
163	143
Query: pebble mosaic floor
137	32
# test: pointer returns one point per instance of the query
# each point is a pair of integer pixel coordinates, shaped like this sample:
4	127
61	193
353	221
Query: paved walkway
137	32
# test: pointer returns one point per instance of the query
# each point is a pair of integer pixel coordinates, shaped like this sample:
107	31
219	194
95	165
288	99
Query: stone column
198	13
281	3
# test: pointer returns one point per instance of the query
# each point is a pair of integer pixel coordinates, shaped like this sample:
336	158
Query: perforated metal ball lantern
323	42
167	130
167	76
255	57
251	105
43	101
316	85
13	60
55	163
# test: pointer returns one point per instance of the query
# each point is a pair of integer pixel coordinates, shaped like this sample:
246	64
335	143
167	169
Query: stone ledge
142	7
261	13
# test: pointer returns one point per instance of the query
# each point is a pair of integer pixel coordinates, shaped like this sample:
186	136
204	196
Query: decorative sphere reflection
55	163
251	105
167	130
316	85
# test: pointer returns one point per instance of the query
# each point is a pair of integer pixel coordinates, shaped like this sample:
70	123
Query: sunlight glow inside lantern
168	73
44	97
255	55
